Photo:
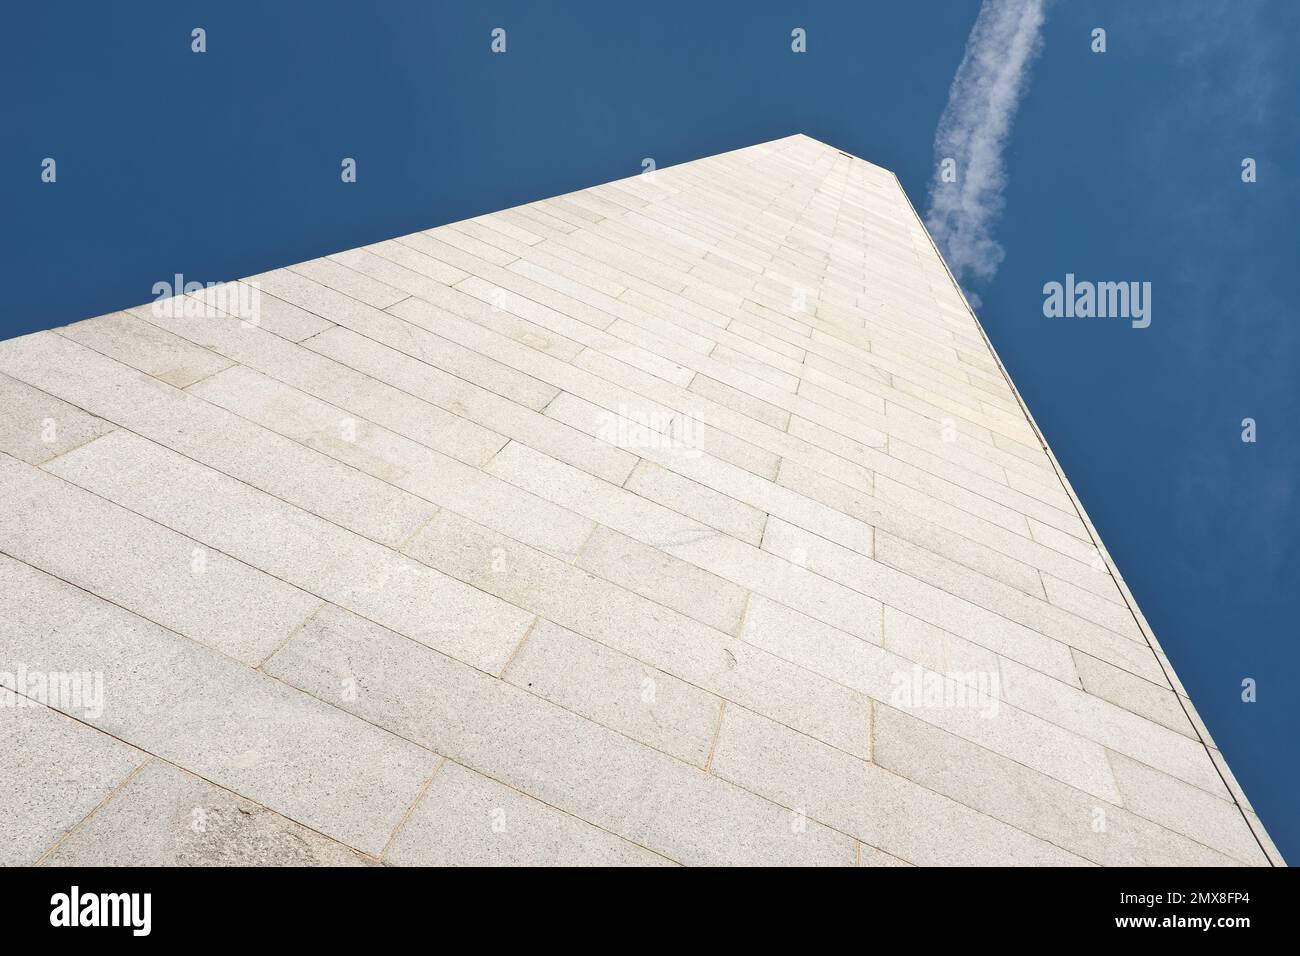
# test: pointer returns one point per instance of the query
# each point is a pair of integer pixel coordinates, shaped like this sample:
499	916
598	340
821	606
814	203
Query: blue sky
1121	166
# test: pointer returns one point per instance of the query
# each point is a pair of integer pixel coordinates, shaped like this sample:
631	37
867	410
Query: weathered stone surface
676	520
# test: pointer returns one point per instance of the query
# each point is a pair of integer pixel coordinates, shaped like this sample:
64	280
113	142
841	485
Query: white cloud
974	129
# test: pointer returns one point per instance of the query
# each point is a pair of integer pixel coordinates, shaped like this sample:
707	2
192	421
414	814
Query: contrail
973	131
